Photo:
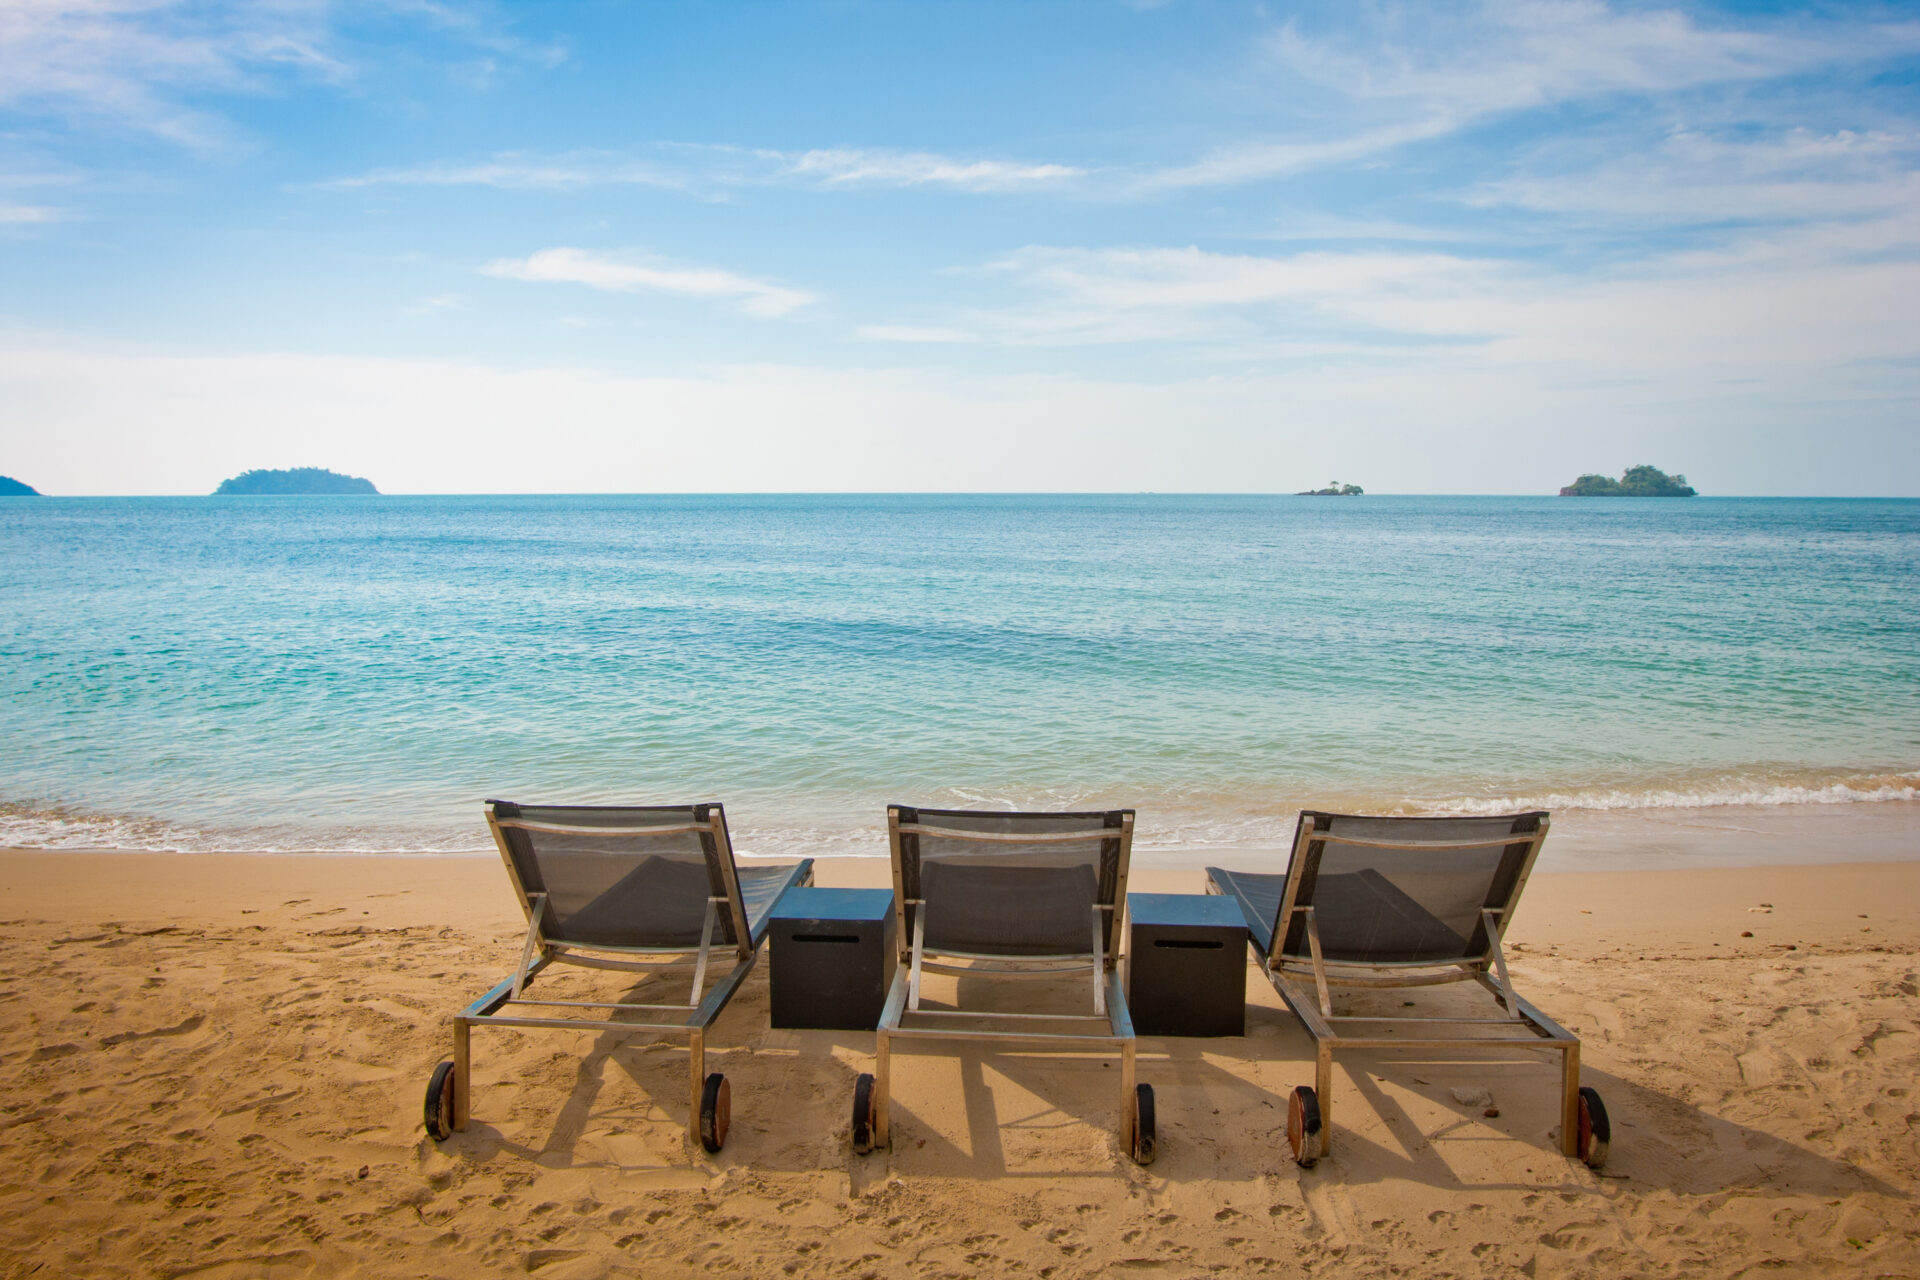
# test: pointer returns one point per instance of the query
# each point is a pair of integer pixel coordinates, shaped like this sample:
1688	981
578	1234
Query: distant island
1635	482
11	488
301	480
1334	489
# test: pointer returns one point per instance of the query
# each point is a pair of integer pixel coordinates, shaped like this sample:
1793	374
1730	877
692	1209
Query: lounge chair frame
538	952
1527	1026
902	1017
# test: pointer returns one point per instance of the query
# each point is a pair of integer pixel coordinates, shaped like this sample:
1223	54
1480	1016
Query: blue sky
846	246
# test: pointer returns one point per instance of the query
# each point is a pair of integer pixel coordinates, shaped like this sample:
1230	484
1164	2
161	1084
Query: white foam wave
55	829
1186	822
1731	793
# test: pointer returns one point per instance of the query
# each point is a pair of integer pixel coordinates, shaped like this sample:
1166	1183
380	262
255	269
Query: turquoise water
358	673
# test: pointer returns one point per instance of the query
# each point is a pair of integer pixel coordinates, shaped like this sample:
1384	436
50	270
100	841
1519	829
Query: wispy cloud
1693	176
849	166
914	333
434	304
146	66
1778	290
513	171
1250	161
1190	295
23	213
618	275
705	169
1464	62
131	64
1412	74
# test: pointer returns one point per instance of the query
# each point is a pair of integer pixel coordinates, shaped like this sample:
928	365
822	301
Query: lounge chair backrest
1009	884
1405	890
623	877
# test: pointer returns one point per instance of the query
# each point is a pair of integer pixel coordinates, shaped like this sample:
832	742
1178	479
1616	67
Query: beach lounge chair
1007	895
638	890
1401	903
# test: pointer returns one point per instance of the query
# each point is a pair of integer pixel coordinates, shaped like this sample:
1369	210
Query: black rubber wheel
716	1111
863	1119
1145	1141
1596	1131
1303	1126
439	1108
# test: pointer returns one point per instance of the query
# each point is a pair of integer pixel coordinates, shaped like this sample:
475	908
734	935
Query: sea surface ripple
358	673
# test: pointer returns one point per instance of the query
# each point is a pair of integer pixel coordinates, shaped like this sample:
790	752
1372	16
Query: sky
1073	246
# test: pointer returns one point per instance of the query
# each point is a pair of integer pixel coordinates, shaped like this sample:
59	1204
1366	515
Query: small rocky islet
1634	482
11	488
293	481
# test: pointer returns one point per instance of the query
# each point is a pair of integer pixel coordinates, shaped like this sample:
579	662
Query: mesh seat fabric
1258	894
1409	905
628	886
1009	910
1003	896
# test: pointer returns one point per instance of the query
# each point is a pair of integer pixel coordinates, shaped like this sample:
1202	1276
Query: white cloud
512	171
615	275
1411	74
431	305
1693	176
913	333
1816	299
705	169
24	213
1500	55
136	65
1246	162
1193	278
845	166
129	63
1303	301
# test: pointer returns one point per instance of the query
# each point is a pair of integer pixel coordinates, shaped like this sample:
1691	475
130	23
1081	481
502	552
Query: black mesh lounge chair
638	890
1403	902
1007	895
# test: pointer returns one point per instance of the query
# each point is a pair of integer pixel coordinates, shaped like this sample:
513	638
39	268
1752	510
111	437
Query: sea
358	674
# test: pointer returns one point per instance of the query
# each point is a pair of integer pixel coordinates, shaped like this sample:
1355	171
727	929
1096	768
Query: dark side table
831	957
1186	965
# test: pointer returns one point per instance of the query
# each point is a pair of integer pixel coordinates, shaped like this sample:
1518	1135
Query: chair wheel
1145	1141
1303	1126
1596	1131
863	1118
439	1108
716	1112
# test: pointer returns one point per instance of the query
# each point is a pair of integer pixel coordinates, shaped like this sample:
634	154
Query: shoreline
1581	840
1683	908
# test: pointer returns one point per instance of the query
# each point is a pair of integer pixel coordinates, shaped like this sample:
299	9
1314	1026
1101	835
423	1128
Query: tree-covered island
1635	482
11	488
1334	489
298	480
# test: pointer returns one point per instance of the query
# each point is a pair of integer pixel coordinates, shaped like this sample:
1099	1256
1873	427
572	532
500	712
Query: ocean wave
1168	822
1722	793
57	828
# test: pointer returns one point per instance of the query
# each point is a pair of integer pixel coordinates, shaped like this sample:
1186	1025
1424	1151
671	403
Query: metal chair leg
696	1081
1323	1090
462	1074
882	1073
1570	1099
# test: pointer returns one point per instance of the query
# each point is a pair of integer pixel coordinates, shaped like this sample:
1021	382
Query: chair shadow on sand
1400	1120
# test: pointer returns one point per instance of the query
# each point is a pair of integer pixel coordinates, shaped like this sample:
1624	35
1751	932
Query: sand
212	1065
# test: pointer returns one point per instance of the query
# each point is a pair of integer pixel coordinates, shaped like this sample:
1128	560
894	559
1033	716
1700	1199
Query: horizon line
969	493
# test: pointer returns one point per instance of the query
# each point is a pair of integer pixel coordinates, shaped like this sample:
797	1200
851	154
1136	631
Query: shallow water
358	673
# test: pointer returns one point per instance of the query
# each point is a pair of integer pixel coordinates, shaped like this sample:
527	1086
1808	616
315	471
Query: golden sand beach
213	1067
